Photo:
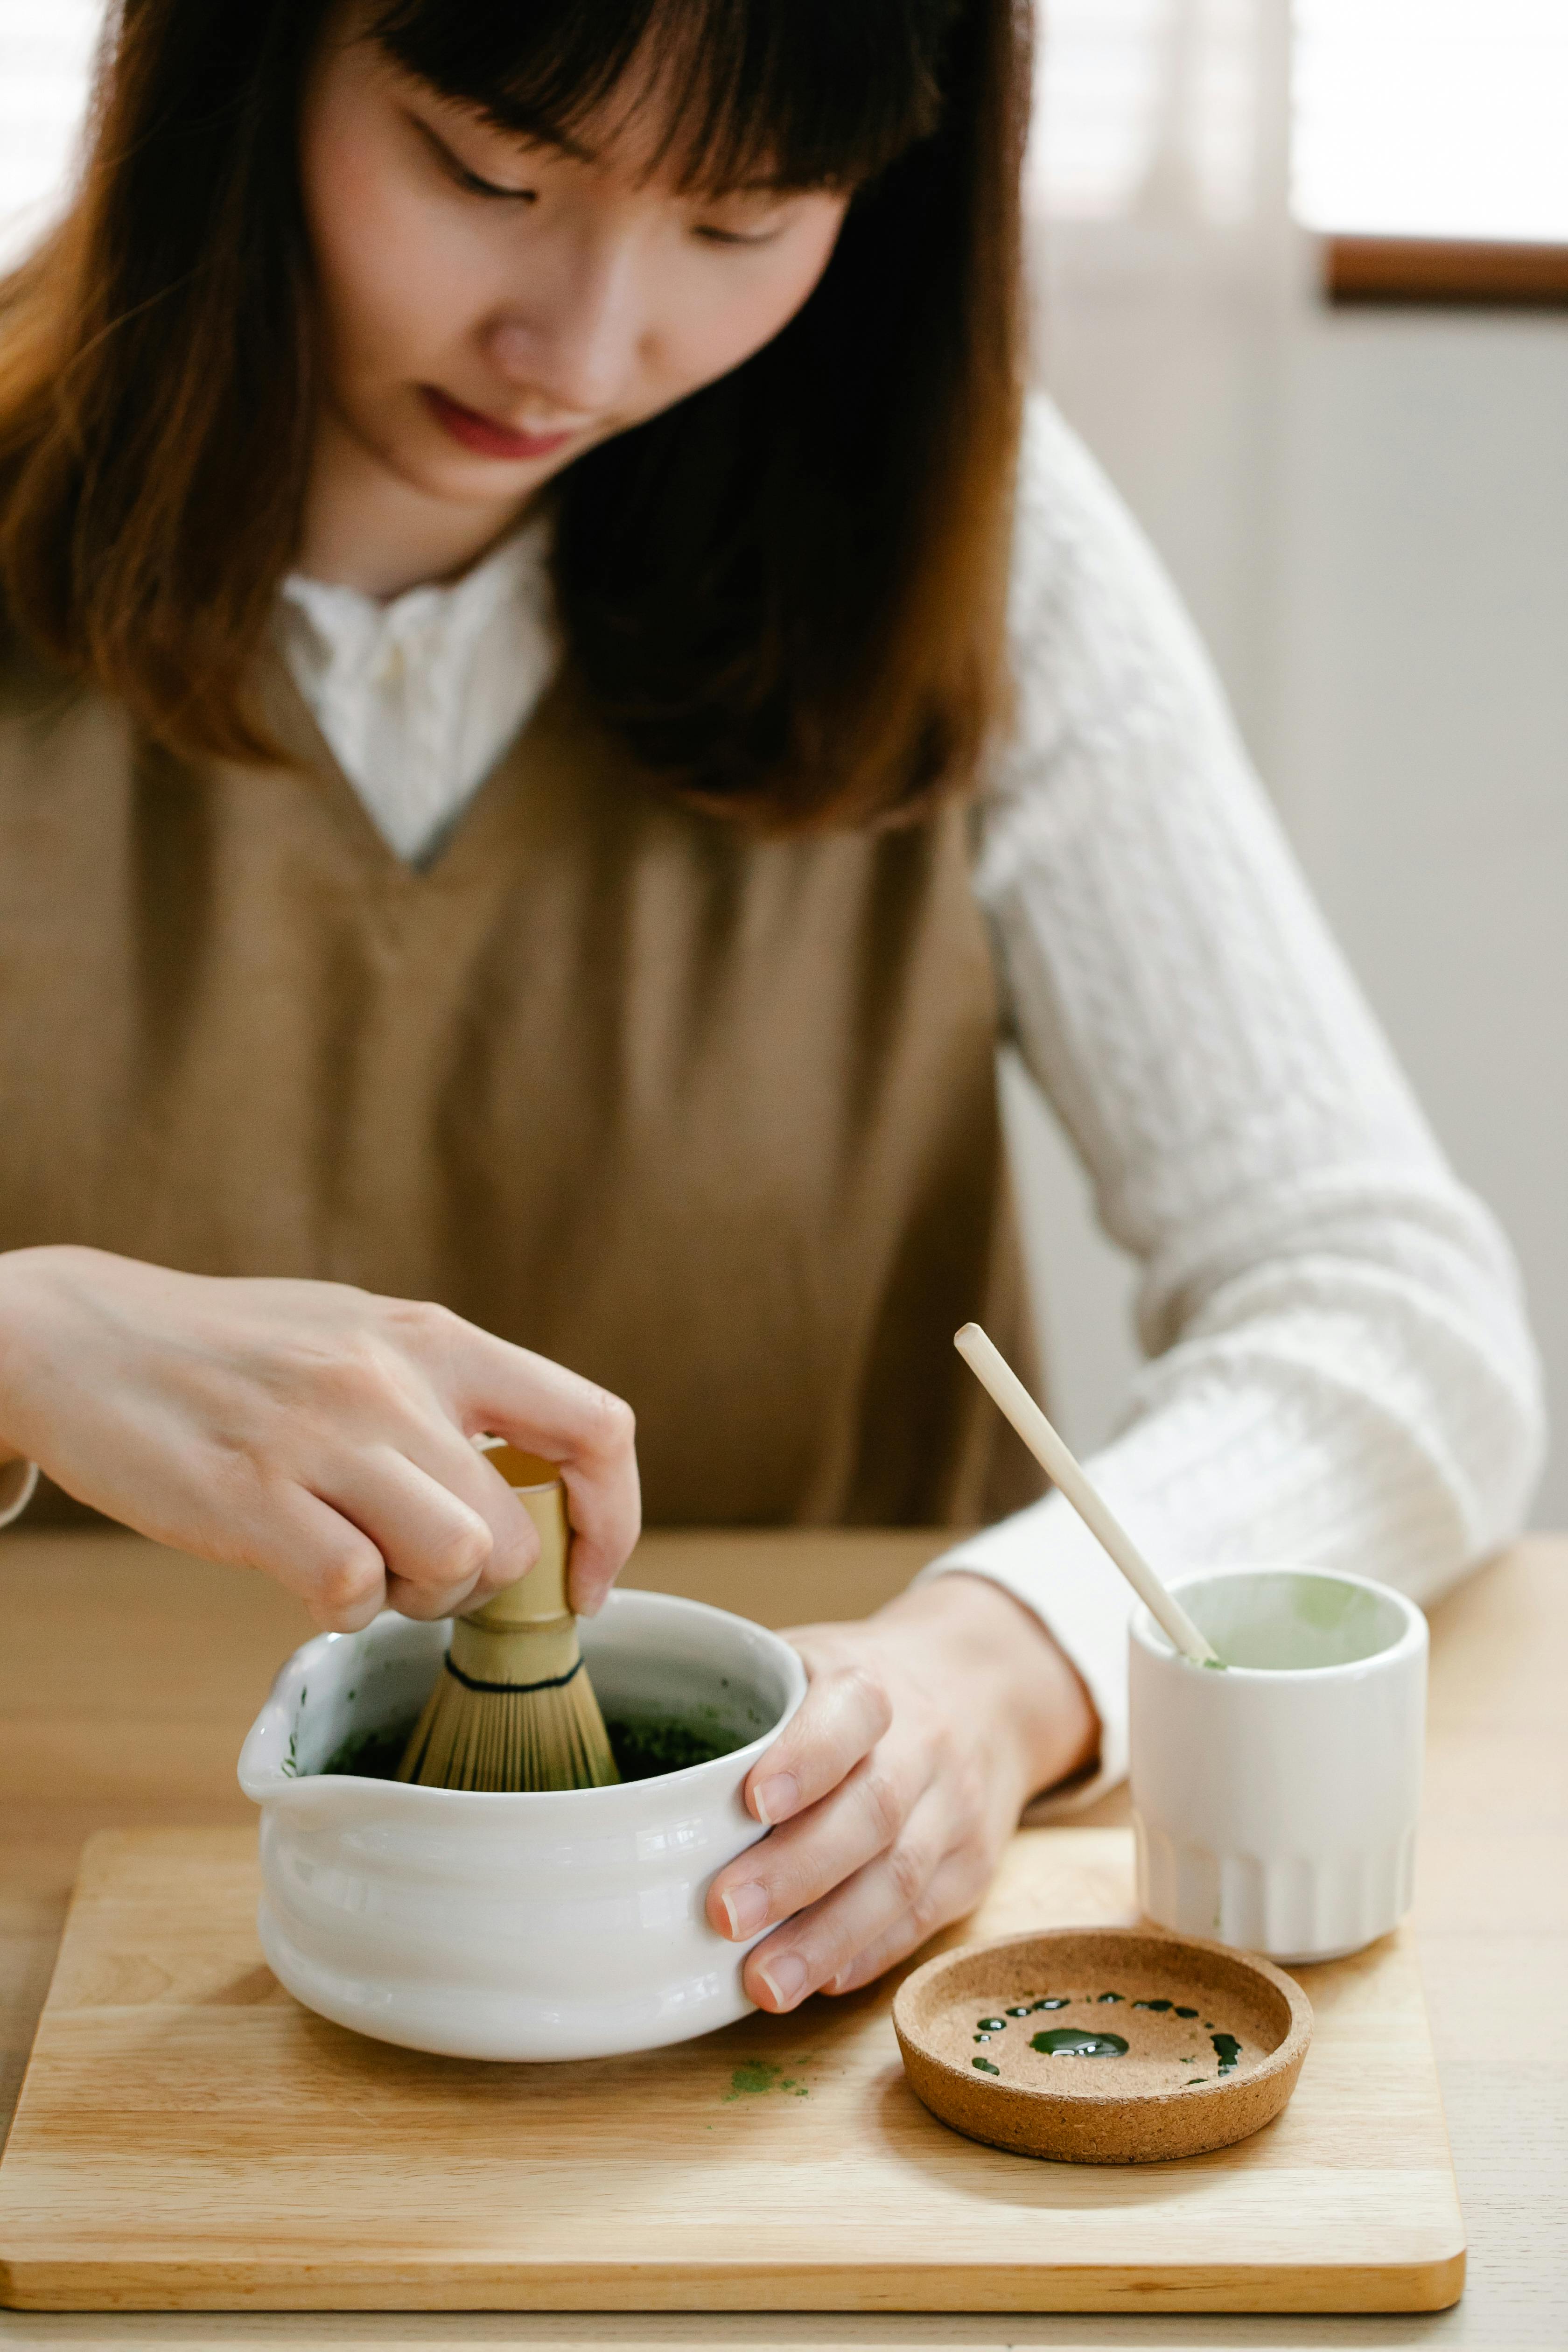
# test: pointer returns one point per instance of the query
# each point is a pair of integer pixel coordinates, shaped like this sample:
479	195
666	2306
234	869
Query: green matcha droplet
986	2066
1072	2041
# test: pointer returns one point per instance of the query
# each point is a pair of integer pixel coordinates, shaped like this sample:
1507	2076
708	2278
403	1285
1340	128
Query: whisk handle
539	1598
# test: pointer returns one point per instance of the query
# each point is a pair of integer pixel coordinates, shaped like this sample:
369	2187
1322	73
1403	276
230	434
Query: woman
548	727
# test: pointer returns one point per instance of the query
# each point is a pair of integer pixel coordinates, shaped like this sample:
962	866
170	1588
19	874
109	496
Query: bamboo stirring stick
1002	1383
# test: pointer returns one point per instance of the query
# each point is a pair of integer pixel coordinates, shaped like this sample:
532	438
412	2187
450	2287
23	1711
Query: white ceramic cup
1275	1804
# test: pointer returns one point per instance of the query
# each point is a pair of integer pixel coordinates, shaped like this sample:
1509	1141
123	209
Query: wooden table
128	1676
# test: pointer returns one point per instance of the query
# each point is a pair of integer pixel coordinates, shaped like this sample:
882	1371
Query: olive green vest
710	1118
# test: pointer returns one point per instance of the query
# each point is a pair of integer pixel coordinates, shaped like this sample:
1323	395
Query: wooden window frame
1444	273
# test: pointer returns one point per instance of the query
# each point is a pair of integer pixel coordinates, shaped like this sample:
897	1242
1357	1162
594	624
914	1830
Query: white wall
1423	734
1368	513
1161	339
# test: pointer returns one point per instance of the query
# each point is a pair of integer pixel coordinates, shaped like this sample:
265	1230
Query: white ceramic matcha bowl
563	1925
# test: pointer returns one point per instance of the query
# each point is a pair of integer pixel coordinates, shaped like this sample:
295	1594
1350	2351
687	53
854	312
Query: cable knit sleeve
19	1481
1339	1368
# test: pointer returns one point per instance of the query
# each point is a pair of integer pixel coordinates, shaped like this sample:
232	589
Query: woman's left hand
893	1789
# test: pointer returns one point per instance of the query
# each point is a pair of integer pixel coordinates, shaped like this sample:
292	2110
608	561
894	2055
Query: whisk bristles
482	1735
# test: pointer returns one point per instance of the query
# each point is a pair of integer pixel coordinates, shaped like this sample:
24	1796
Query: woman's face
492	306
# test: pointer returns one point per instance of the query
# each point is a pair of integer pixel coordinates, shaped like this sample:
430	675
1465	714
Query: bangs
795	93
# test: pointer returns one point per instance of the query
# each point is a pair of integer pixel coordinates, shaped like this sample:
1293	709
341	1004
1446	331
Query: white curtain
1164	269
45	54
1152	109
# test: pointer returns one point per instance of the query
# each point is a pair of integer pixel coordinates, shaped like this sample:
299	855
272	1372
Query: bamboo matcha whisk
513	1706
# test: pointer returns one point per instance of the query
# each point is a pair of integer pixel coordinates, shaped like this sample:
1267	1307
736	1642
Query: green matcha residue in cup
372	1755
644	1749
655	1745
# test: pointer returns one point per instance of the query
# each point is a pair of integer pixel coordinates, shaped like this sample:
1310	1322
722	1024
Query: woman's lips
486	437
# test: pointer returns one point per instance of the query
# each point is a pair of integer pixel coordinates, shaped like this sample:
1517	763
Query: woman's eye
713	236
470	182
477	187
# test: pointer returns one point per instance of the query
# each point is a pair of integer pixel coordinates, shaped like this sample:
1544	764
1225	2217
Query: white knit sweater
1340	1370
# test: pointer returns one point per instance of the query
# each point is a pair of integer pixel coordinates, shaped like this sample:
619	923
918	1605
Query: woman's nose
577	331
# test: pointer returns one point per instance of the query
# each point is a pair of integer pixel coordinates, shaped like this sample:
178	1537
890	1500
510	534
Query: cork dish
1102	2045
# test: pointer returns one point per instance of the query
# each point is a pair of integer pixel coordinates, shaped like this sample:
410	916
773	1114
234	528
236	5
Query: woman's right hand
316	1431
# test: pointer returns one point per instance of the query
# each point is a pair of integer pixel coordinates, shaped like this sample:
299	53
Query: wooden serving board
188	2137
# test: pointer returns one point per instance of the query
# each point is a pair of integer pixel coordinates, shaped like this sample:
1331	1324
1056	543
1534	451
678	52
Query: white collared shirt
419	698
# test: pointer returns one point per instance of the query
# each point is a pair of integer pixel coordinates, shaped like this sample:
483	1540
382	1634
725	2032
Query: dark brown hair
786	594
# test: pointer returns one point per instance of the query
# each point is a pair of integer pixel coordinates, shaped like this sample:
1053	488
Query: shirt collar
355	630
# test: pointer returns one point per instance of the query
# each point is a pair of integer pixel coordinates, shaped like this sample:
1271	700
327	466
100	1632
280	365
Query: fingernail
777	1799
746	1909
784	1977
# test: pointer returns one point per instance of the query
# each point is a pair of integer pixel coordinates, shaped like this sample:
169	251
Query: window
1433	118
1429	147
1427	138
